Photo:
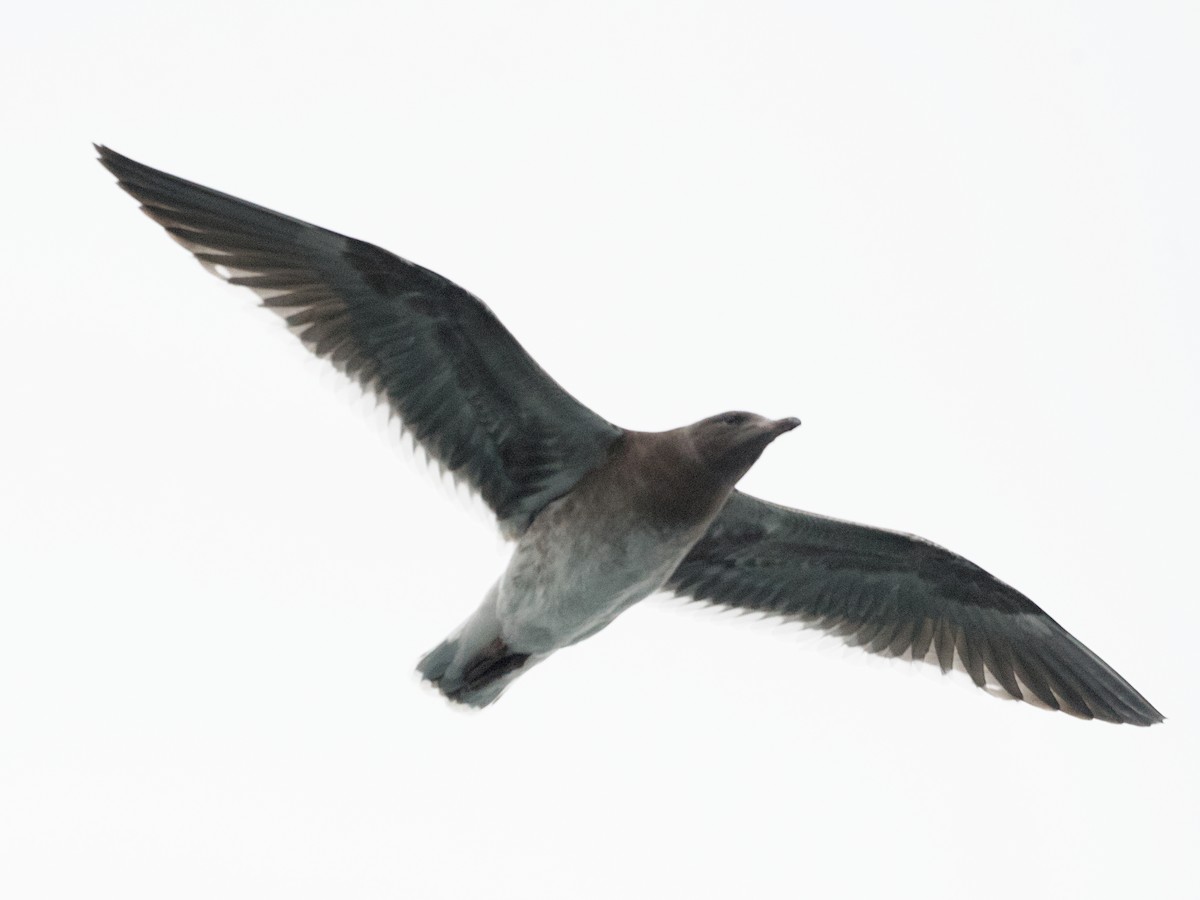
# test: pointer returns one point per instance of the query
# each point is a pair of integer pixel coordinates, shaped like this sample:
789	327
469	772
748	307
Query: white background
957	239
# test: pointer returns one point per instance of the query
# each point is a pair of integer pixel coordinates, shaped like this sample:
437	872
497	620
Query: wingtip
1151	717
120	165
107	158
1144	713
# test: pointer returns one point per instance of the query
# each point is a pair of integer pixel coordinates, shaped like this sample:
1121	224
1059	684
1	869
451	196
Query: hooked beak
781	426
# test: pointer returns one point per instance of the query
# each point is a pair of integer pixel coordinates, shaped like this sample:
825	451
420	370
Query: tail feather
479	680
493	663
433	665
474	665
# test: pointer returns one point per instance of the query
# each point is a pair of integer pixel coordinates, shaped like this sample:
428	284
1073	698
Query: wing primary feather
1062	684
968	651
285	279
998	658
944	643
922	640
903	638
1032	673
1098	684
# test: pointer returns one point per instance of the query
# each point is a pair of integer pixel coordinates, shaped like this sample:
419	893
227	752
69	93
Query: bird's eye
734	419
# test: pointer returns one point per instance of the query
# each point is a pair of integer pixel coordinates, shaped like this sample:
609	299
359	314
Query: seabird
604	516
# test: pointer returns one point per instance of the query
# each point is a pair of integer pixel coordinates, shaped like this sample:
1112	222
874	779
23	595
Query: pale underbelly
557	592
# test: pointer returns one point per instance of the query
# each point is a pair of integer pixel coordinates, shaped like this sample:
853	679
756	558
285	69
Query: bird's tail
474	665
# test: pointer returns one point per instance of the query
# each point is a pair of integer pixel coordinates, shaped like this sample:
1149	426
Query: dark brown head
684	476
729	444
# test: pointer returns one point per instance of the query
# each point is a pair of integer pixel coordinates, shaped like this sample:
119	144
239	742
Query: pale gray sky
956	239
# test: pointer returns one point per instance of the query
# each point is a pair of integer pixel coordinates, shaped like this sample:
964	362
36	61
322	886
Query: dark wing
899	595
460	383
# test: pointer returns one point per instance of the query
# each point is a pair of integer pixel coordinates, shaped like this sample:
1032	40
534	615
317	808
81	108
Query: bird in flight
603	516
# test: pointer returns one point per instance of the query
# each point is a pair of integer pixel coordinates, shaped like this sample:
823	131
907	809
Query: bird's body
591	554
603	516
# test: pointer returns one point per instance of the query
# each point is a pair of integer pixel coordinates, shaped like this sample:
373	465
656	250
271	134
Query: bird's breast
586	558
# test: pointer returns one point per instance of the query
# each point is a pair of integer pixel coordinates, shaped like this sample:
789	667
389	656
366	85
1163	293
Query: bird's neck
668	481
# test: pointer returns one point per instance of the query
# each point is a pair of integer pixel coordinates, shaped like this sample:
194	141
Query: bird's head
730	443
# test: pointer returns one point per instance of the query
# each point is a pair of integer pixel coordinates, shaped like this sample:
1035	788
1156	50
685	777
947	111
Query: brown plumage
602	516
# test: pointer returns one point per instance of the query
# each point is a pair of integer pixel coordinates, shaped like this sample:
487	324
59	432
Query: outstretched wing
459	382
899	595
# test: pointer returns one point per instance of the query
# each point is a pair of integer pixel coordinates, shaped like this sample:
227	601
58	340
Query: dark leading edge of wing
460	383
899	595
